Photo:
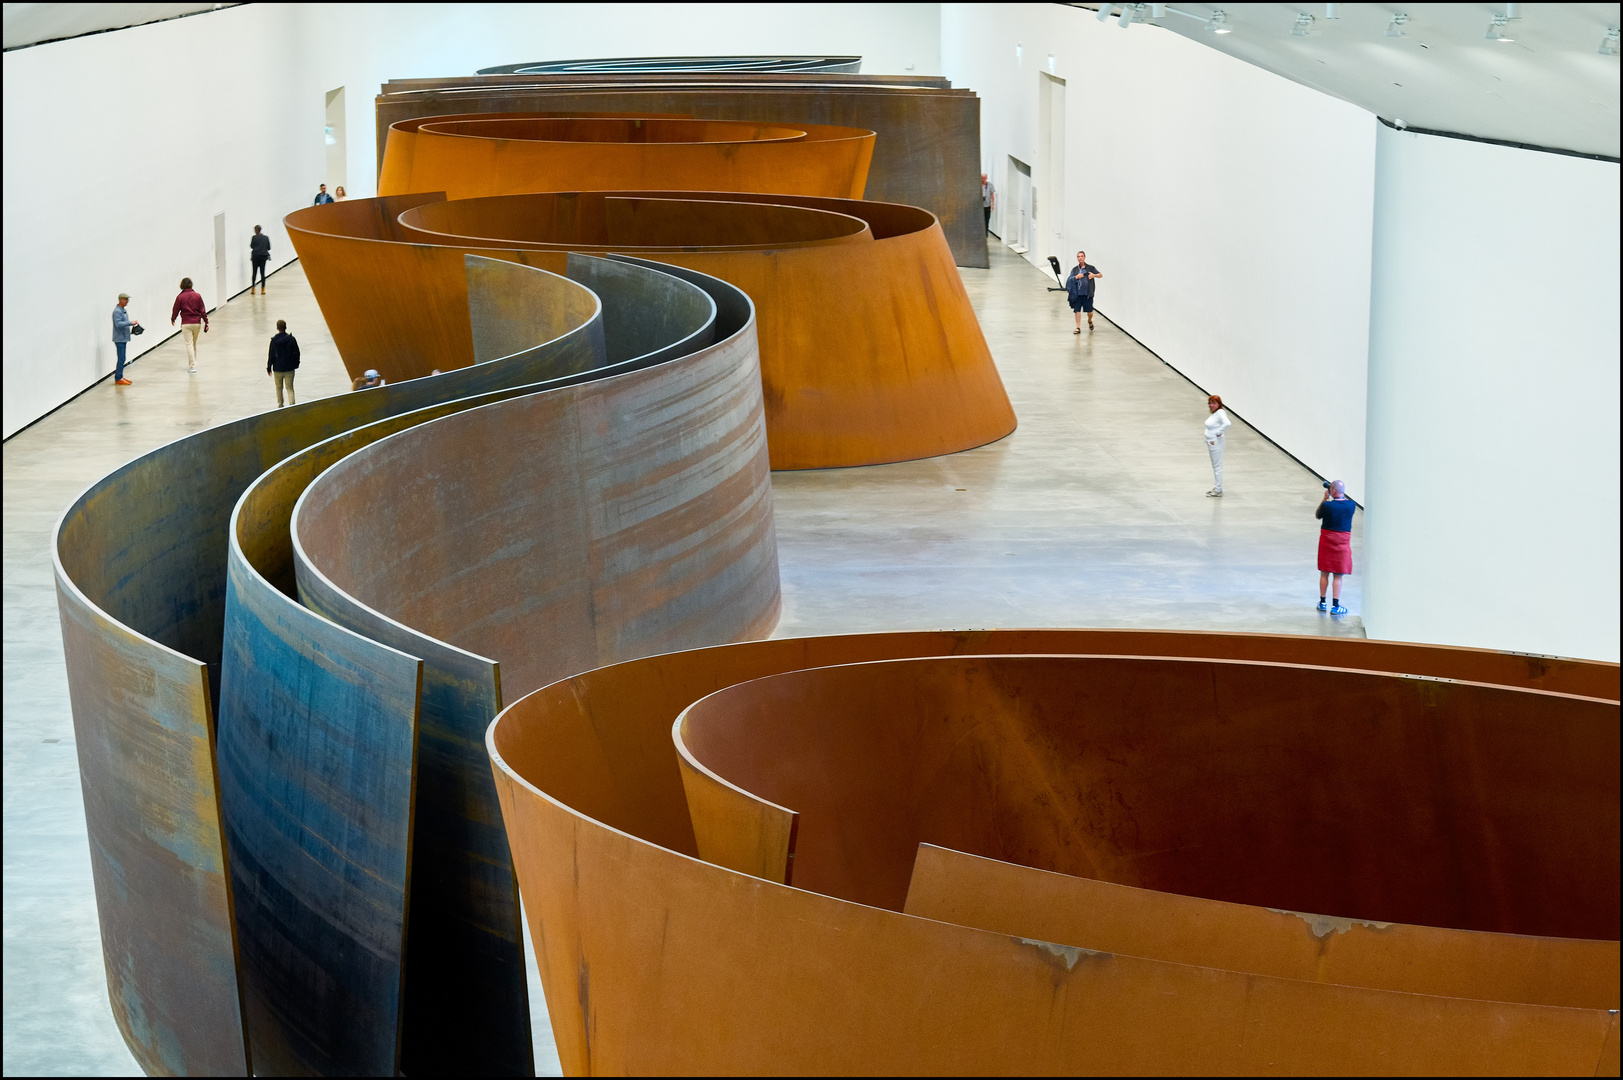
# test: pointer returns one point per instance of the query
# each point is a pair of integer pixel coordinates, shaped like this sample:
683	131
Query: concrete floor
1092	513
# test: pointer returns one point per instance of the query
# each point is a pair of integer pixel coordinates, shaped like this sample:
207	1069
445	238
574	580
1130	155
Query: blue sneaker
1338	610
1323	606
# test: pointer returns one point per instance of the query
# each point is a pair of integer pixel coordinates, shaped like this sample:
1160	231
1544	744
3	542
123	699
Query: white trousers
1215	448
189	333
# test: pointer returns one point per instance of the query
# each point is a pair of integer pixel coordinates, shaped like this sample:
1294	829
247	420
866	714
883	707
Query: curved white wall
1492	513
1229	208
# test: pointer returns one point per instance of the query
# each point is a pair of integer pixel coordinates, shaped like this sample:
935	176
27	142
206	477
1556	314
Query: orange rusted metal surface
472	156
970	890
612	874
927	152
870	350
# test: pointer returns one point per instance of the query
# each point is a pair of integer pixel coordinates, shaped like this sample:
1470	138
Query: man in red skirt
1335	542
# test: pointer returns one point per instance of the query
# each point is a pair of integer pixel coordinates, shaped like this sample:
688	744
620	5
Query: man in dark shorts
1335	542
1079	288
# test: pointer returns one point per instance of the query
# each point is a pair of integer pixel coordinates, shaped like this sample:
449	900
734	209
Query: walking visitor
194	320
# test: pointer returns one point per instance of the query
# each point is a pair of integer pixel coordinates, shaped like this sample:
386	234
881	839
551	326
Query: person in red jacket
194	319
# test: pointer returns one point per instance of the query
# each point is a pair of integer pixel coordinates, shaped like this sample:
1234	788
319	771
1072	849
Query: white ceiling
1550	87
29	24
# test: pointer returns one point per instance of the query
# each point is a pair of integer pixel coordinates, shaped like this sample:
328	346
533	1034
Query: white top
1217	423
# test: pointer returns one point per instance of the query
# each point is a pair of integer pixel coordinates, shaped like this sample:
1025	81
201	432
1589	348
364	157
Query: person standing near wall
1079	289
194	320
988	199
1217	422
340	197
283	361
258	256
1335	542
322	197
122	325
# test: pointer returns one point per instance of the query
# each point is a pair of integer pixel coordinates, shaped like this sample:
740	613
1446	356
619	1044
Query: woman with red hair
1216	423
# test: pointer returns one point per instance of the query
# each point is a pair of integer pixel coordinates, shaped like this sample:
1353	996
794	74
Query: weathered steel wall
471	156
870	350
927	149
319	749
140	562
592	789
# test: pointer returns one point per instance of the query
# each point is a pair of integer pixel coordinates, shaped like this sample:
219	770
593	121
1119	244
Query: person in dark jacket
1079	288
283	361
258	255
322	198
1335	542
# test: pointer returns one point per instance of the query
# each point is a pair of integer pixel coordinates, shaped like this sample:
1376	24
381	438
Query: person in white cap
369	378
1217	422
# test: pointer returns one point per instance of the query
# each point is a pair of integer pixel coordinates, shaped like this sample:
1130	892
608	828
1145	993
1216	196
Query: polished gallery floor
1093	513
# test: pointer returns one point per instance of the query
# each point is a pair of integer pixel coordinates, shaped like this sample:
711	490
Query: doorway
1049	231
337	144
1017	214
219	259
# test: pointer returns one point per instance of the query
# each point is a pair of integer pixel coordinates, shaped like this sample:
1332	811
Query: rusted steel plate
611	519
140	561
471	157
971	890
927	150
1410	800
317	756
143	730
870	350
595	815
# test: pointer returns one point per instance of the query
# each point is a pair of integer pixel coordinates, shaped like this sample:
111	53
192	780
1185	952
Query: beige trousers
189	333
284	378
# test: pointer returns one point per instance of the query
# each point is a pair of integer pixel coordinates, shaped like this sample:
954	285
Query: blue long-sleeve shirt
121	324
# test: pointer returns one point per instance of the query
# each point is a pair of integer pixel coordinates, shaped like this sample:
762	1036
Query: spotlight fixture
1332	11
1128	12
1608	44
1104	12
1399	21
1304	23
1219	22
1158	11
1496	29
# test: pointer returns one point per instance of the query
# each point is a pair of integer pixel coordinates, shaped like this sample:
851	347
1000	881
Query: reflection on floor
1093	513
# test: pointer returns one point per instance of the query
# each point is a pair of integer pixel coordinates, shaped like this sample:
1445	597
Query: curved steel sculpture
846	64
870	350
332	777
927	152
471	156
1050	851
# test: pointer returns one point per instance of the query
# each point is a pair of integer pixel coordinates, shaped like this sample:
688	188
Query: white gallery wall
1228	208
1493	398
122	147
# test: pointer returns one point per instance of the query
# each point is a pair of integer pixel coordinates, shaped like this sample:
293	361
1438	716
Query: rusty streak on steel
471	157
611	871
927	150
870	350
141	571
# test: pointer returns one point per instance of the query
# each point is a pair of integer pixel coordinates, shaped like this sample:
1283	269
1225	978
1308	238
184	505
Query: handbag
137	330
